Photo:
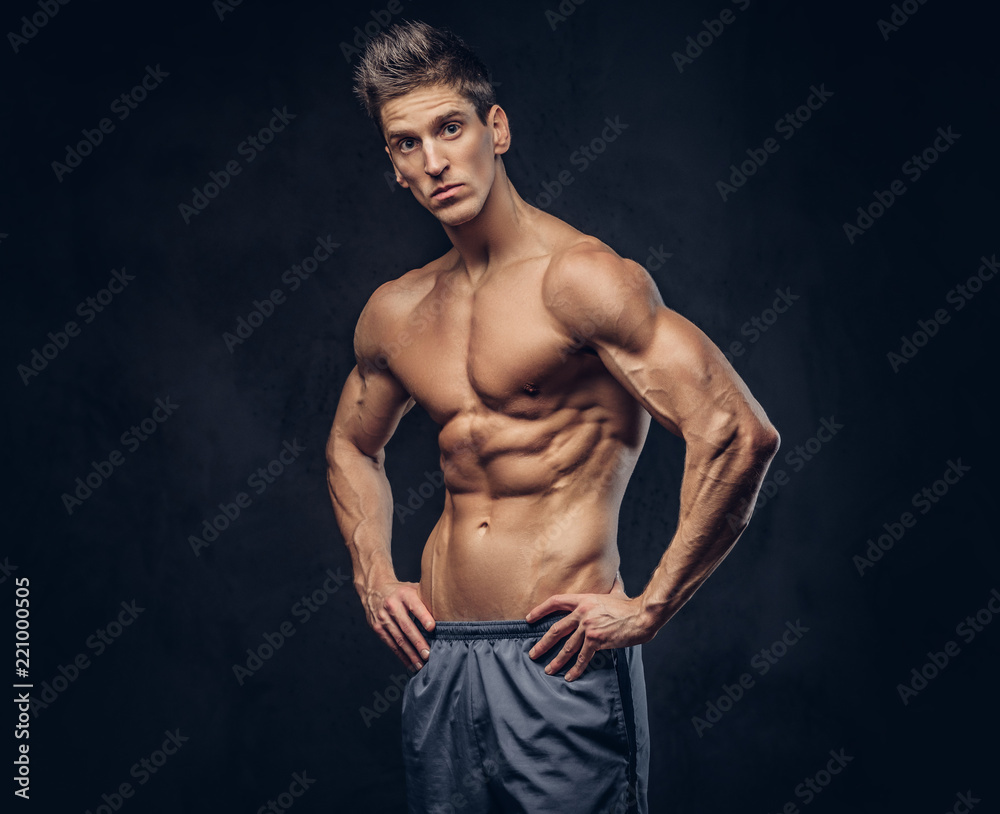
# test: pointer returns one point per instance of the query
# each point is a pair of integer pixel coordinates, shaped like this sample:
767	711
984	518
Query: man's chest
497	346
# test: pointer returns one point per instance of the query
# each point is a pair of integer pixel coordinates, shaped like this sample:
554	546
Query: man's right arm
371	405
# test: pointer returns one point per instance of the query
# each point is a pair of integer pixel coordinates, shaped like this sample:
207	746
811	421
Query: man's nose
434	160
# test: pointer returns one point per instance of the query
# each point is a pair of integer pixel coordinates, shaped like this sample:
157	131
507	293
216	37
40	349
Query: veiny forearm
362	503
720	485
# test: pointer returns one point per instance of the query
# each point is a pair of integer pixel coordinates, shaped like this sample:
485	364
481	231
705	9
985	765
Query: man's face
442	152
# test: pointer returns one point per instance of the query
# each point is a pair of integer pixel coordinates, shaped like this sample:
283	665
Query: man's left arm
683	380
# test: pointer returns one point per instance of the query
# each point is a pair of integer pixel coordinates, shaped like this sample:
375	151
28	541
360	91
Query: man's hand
388	606
596	622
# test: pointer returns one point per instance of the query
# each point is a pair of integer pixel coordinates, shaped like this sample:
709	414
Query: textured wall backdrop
195	211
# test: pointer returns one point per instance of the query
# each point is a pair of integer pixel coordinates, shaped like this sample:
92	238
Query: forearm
720	485
362	504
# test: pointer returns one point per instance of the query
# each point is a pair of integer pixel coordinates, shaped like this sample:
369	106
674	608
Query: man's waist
465	630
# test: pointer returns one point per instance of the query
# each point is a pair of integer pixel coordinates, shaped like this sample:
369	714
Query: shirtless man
542	354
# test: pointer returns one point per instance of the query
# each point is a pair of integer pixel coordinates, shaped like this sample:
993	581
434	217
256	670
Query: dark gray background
655	185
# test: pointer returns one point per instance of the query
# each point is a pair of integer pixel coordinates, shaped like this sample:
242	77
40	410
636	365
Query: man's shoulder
578	250
394	300
584	273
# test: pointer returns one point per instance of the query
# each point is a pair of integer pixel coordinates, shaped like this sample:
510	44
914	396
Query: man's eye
451	129
406	144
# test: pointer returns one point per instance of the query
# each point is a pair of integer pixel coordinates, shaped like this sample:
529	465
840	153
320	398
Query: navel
531	389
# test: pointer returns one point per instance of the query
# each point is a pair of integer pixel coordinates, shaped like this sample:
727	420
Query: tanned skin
541	354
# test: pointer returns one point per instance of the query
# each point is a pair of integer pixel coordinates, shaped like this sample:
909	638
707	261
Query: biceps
369	411
682	379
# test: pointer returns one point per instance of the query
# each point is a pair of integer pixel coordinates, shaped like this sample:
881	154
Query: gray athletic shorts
486	731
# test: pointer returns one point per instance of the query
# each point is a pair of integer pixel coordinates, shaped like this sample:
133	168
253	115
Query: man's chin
456	214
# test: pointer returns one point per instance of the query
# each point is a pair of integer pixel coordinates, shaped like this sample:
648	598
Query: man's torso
537	438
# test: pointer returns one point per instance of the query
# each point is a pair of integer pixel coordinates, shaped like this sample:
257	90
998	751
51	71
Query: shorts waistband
495	629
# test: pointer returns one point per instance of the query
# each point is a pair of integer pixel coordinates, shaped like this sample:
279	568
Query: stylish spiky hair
409	55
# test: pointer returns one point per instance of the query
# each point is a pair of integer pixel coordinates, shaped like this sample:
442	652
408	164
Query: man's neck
497	235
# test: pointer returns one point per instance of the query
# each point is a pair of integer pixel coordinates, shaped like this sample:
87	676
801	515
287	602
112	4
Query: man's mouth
445	191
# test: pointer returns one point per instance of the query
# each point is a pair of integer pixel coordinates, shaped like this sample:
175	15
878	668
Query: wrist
370	581
656	613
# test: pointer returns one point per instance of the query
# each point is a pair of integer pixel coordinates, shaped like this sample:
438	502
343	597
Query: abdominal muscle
523	523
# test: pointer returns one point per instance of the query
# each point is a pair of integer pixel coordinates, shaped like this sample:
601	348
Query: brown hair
409	55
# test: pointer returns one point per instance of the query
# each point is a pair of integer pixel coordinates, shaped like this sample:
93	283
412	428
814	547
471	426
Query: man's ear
501	130
399	178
